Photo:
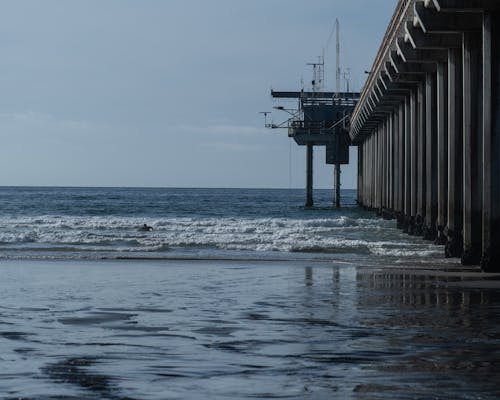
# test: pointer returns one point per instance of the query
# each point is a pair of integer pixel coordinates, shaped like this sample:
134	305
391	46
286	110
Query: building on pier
427	126
321	119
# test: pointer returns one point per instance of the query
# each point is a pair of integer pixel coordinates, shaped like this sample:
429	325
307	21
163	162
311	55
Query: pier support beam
309	176
472	150
389	167
421	160
407	167
430	232
401	167
380	170
374	171
454	246
361	174
414	159
336	183
491	142
442	151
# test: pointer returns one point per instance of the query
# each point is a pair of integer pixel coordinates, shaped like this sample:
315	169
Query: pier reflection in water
245	330
411	334
444	337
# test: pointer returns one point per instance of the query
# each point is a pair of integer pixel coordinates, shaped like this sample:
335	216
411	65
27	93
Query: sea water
234	294
95	223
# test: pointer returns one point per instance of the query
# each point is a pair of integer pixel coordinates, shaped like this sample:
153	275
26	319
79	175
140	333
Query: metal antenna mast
318	74
336	168
338	72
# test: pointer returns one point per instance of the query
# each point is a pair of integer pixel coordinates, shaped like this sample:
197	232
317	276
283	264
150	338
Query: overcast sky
167	92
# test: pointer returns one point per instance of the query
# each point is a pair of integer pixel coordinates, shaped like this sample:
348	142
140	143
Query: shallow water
242	330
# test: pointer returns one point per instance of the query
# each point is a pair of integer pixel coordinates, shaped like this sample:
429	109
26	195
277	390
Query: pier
427	127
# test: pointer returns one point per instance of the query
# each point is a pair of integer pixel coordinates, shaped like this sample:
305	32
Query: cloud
48	124
29	117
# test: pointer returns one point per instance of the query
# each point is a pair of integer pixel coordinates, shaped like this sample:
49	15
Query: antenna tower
318	74
337	72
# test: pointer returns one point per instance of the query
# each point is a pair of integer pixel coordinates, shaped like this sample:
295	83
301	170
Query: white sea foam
121	234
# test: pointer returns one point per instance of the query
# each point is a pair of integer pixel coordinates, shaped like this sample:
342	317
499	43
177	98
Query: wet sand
245	330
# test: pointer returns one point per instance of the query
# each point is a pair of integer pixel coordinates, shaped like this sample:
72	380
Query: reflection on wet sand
426	290
247	330
449	334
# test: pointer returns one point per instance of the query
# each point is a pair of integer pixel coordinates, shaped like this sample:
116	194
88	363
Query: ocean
233	294
96	223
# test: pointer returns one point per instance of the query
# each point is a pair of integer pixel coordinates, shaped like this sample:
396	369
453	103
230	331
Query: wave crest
344	234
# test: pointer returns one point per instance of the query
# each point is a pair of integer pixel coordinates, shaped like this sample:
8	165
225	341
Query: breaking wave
98	234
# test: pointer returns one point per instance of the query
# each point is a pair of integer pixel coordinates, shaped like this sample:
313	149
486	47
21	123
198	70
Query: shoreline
447	273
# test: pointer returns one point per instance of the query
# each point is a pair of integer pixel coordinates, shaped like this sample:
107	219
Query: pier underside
427	127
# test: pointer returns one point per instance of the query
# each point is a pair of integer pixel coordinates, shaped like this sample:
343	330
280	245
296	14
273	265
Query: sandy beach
246	329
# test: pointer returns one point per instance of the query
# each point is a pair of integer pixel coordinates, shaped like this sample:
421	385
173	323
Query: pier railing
392	30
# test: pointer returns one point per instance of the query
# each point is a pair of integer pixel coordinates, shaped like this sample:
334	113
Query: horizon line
164	187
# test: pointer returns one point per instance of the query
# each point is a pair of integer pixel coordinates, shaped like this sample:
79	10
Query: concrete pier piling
309	175
472	110
336	185
491	141
428	127
442	151
431	158
455	193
